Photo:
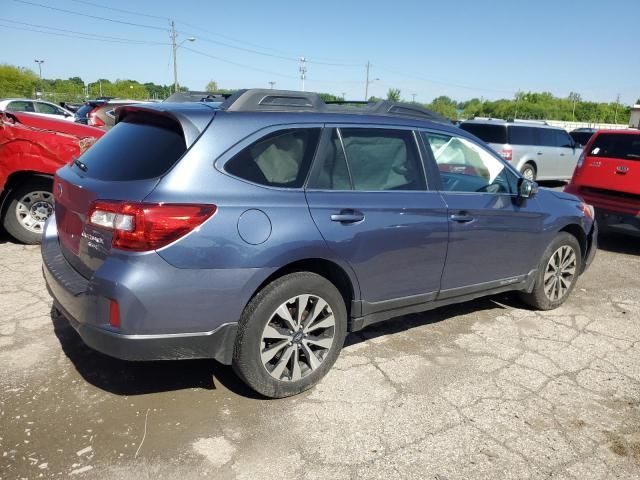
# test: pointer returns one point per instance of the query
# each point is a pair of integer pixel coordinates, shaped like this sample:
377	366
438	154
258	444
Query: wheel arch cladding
577	231
325	268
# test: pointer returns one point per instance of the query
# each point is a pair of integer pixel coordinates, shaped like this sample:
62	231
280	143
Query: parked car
103	115
40	108
582	135
259	232
537	150
82	114
32	148
608	177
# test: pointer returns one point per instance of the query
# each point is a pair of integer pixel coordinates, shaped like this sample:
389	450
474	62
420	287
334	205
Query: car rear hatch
611	167
124	166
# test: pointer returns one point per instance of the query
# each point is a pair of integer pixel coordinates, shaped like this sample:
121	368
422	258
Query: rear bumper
78	300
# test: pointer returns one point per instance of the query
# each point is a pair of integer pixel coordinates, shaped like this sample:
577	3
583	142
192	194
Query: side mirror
527	188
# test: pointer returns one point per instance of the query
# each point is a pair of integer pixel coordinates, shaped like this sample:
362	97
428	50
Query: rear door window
486	132
138	148
20	106
616	145
521	135
280	159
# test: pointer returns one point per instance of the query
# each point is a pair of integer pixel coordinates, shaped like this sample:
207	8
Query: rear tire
529	171
28	207
557	273
279	352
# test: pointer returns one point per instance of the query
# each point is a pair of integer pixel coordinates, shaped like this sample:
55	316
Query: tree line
23	82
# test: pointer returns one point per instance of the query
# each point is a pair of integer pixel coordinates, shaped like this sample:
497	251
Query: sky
462	49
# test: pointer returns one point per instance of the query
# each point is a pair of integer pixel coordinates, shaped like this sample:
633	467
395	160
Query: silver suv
538	150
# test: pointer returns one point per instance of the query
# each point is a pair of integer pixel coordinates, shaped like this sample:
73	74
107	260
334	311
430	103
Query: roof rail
268	100
523	120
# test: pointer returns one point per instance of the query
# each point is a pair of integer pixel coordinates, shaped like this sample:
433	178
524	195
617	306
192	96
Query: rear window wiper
80	165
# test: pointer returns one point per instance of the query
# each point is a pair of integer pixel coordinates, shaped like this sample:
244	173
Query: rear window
138	148
616	145
488	133
84	110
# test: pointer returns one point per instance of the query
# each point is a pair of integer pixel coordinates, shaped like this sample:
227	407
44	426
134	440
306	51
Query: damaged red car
32	148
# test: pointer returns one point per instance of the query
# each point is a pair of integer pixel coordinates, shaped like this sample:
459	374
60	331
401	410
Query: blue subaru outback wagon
260	231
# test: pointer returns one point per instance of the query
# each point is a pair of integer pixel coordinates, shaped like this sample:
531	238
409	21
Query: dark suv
259	232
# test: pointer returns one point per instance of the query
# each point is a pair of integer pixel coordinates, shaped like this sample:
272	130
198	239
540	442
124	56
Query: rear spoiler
192	119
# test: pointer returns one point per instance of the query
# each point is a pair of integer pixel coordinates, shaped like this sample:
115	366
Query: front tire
557	273
28	208
290	335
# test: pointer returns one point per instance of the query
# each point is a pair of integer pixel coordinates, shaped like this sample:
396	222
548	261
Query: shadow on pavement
137	378
619	243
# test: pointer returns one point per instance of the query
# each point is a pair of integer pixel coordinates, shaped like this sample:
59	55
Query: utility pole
413	96
272	84
174	37
615	118
343	95
303	70
366	82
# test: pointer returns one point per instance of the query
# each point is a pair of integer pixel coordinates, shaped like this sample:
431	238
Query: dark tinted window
486	132
545	137
616	145
135	149
581	138
382	159
333	173
563	139
281	159
521	135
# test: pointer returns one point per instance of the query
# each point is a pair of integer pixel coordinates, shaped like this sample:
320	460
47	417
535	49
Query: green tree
16	81
212	86
444	106
393	95
329	97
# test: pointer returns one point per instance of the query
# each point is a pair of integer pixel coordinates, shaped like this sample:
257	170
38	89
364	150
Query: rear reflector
142	227
114	314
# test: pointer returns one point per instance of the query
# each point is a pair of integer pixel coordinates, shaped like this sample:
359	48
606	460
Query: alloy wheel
297	337
560	273
33	209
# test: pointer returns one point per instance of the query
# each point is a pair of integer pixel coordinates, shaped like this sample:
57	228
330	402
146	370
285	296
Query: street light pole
40	62
176	46
272	83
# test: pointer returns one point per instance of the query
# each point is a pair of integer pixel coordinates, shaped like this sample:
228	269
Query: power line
120	10
107	37
91	16
127	42
238	64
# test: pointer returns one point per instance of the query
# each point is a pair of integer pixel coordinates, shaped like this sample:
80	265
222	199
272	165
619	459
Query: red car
32	148
607	176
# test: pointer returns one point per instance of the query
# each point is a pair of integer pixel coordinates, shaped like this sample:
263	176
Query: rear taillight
94	120
507	153
147	226
581	159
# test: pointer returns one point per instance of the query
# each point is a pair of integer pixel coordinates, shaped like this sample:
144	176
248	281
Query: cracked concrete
486	389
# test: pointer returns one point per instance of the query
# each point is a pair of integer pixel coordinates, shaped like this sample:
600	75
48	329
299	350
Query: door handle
461	217
562	154
539	153
347	216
